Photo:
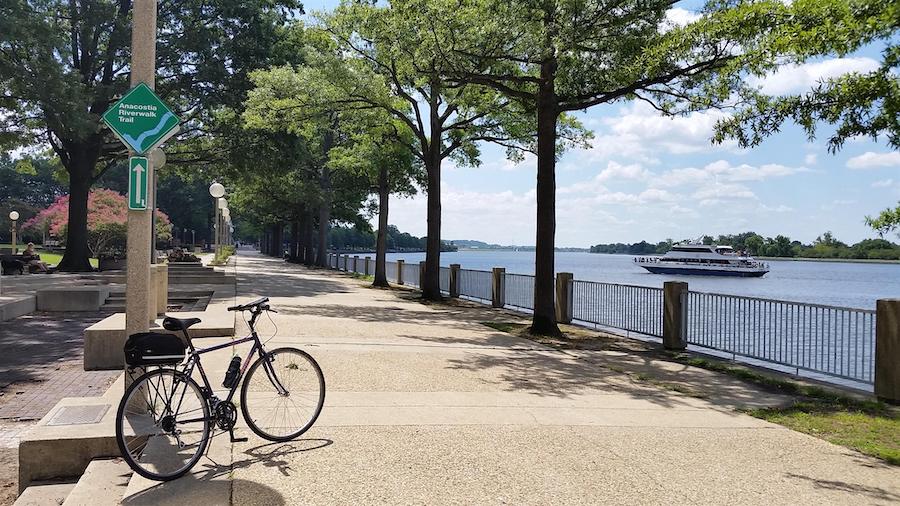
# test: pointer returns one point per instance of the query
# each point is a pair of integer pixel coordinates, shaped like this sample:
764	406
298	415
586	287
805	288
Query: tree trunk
77	254
308	258
301	243
544	319
295	240
381	244
431	285
324	218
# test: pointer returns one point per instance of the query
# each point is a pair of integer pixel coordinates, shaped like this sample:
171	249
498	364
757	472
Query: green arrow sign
141	120
137	183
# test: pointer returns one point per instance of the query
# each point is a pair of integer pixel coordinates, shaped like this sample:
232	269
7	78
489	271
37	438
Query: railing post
498	287
454	280
421	273
887	350
366	270
399	272
674	315
564	297
355	263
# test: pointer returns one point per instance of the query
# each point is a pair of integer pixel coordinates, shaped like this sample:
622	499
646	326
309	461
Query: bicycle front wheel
162	426
282	394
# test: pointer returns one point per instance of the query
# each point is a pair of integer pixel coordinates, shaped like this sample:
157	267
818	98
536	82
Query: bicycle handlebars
250	305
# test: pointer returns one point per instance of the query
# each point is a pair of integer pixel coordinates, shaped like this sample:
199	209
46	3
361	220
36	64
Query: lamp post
193	241
13	216
223	205
216	191
226	220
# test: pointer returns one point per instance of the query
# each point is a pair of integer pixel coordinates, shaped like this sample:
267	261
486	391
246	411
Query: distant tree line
825	246
353	238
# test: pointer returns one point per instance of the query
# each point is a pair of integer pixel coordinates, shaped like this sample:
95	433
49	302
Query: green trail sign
137	183
141	120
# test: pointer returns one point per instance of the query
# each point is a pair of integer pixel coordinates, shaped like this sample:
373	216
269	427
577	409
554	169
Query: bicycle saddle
172	323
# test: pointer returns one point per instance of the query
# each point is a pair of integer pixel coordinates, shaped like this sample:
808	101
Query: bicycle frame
193	361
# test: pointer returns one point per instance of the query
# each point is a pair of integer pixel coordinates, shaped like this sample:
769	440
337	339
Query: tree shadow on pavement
874	493
33	345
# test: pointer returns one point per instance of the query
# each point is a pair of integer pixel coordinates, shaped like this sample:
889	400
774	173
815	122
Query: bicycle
166	419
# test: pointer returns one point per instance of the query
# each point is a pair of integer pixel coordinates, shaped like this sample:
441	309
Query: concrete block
103	484
887	350
103	341
16	305
64	451
42	495
72	298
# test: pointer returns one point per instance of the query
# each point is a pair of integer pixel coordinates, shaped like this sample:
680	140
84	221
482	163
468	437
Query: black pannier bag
153	348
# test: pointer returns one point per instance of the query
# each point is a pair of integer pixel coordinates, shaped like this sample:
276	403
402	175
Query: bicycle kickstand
235	439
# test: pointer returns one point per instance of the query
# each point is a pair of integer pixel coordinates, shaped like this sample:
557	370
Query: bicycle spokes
163	425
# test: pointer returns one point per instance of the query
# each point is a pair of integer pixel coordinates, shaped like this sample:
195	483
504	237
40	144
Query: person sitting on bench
33	260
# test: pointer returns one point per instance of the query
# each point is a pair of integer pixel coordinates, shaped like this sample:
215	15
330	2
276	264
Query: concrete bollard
151	294
498	287
887	350
162	289
399	272
564	304
421	274
367	265
454	280
674	315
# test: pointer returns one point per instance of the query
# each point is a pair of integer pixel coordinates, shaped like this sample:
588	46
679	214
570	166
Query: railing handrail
615	284
779	301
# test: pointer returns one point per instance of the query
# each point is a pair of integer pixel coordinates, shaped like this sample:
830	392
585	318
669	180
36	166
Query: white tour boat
704	260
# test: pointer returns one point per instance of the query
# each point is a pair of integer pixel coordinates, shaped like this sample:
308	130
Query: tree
397	65
886	222
63	63
858	104
556	56
107	221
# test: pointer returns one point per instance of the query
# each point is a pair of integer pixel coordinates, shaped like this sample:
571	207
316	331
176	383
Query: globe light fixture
14	215
216	190
223	203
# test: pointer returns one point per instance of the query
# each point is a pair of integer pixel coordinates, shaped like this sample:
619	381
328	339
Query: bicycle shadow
211	480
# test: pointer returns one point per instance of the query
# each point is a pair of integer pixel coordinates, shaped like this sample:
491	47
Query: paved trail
427	406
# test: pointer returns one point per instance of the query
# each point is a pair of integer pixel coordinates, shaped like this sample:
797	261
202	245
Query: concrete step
102	484
44	495
103	341
14	306
52	450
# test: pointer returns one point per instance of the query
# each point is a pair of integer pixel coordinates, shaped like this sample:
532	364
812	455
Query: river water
846	284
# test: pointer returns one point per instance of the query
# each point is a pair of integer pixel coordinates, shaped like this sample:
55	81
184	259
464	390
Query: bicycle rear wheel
282	414
162	426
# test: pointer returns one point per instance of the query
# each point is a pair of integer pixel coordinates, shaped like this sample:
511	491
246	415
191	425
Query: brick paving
42	362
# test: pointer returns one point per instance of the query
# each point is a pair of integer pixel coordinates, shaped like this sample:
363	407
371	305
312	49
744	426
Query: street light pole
13	216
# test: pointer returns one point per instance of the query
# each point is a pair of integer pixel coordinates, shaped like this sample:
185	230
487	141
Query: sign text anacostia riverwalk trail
141	120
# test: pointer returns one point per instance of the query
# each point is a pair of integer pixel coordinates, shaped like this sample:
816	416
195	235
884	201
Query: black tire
201	404
257	375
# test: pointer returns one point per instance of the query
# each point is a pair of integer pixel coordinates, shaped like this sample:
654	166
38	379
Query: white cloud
872	160
797	78
884	183
810	159
843	202
679	17
723	171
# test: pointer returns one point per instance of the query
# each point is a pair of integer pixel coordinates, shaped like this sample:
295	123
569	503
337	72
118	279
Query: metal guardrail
829	340
519	291
475	284
445	279
627	307
836	341
411	274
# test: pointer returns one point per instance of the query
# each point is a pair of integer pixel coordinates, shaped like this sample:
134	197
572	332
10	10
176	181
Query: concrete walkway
427	406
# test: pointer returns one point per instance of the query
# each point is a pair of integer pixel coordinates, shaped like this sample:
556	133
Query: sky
647	177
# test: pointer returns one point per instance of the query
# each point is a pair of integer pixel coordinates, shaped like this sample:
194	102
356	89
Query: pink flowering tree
107	221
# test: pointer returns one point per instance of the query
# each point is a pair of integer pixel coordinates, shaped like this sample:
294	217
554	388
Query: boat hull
687	271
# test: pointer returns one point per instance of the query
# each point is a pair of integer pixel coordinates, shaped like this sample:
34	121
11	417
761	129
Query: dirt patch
9	475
